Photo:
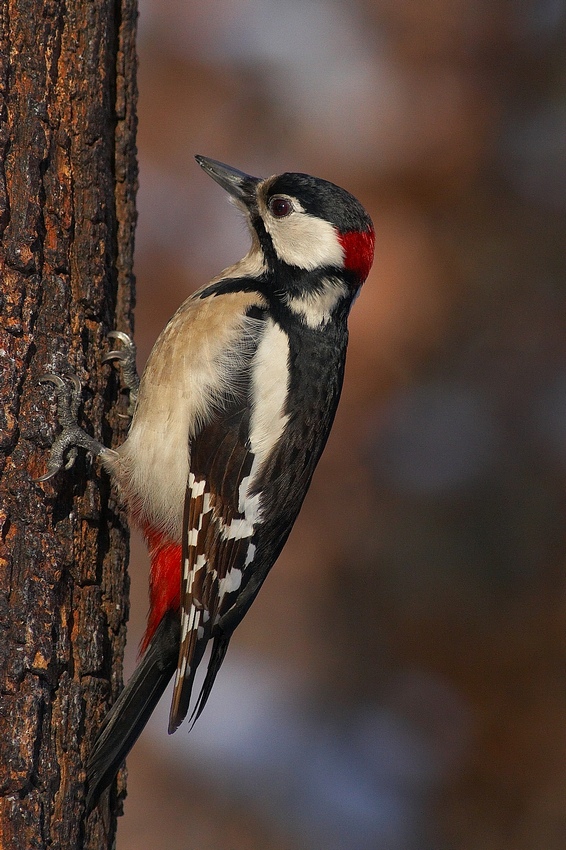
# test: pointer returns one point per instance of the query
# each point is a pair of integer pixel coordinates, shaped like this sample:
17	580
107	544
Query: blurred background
400	683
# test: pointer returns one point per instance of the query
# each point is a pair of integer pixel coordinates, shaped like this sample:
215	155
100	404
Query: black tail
126	719
217	655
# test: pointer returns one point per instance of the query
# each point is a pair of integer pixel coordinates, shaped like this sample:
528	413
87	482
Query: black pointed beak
240	186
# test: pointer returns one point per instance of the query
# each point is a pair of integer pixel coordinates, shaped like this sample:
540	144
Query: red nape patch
164	580
358	251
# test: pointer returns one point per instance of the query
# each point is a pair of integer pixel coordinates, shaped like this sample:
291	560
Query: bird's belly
154	461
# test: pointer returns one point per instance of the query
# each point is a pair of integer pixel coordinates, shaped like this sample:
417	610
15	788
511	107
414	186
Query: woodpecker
234	409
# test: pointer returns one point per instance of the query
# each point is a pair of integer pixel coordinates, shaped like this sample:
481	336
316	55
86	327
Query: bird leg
64	449
68	391
126	357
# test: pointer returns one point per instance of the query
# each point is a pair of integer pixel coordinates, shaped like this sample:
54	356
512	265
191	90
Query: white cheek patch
305	241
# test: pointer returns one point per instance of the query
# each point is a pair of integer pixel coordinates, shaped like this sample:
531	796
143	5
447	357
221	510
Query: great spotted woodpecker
234	409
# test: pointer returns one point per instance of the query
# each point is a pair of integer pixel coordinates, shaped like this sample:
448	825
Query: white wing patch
270	388
230	582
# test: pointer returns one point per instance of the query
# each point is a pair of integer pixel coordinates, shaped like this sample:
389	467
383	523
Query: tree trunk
67	216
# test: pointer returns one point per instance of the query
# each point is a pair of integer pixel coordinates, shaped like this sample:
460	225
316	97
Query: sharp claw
75	380
123	337
125	354
114	355
53	466
128	352
64	449
46	476
51	378
126	357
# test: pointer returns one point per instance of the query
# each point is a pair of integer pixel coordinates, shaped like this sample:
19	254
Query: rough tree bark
67	191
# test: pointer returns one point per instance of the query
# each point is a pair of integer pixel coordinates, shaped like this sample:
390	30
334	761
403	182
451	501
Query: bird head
302	222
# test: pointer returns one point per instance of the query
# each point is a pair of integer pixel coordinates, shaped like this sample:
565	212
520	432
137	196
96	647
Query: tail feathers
126	719
218	653
183	688
180	707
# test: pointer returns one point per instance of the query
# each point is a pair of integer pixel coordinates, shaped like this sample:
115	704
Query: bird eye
280	207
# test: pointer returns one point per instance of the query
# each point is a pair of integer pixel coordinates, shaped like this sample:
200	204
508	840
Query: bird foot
126	358
72	437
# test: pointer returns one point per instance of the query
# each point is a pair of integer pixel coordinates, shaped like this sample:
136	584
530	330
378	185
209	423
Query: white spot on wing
196	487
230	582
188	624
237	530
243	492
181	671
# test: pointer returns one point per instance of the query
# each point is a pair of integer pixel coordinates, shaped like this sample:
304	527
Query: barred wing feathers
217	547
